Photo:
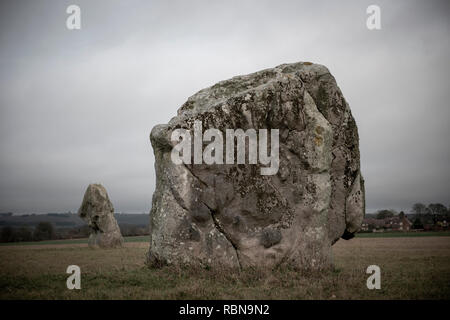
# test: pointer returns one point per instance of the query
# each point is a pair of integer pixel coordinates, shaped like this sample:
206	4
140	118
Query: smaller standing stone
98	212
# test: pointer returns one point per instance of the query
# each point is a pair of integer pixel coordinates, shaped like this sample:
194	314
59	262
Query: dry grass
412	268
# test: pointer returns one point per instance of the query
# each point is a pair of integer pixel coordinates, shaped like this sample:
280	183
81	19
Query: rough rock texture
98	211
231	215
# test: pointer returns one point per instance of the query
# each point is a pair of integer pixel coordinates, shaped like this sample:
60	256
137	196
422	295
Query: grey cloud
77	106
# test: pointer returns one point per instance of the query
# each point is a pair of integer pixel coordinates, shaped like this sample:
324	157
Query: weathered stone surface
98	212
231	215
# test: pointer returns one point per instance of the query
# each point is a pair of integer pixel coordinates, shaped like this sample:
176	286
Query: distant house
371	224
432	222
441	224
396	223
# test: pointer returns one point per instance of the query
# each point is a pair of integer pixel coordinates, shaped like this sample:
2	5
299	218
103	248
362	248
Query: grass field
411	268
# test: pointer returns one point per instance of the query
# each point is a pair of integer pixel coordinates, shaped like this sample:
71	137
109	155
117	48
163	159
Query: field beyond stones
411	268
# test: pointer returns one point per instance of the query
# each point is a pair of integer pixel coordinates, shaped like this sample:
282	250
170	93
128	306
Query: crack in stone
194	175
222	231
178	198
214	218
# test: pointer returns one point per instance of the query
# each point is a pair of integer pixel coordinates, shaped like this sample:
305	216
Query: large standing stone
231	215
98	212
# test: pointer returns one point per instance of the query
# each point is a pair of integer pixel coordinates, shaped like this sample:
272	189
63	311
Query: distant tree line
419	209
431	216
432	208
46	231
435	214
43	231
385	213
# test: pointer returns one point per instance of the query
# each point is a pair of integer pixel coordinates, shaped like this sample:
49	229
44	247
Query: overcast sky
77	107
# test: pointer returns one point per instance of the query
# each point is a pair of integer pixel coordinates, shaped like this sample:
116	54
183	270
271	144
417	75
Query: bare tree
437	208
419	208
